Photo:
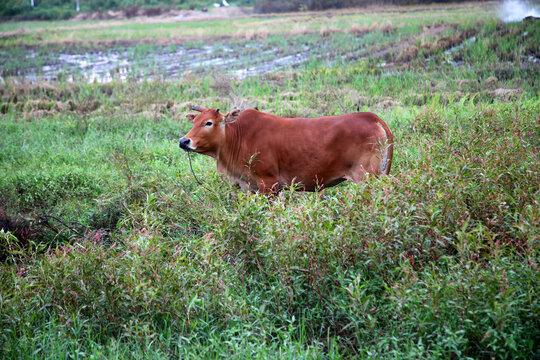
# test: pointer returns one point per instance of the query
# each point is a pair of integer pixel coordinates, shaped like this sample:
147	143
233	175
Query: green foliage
64	9
42	10
276	6
43	190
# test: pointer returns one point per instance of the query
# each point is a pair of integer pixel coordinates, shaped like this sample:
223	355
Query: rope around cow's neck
193	172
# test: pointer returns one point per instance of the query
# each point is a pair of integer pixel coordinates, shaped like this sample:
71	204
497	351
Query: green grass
112	249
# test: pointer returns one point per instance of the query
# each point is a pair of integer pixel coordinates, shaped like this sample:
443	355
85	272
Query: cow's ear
191	117
233	115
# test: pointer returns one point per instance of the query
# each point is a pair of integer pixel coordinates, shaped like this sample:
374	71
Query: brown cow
264	152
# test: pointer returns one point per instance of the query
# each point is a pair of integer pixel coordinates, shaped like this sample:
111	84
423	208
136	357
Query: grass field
111	249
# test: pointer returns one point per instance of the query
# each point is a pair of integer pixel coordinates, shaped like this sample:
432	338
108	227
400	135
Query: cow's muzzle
185	144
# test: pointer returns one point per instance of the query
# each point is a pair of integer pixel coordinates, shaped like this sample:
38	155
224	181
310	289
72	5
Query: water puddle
449	53
162	62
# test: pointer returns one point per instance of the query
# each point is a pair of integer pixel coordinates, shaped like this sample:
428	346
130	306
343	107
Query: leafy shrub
268	6
44	190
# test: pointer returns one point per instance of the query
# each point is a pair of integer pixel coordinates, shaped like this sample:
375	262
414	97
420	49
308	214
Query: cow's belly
310	182
328	174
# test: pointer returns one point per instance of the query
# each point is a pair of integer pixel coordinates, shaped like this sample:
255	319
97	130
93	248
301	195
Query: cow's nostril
184	144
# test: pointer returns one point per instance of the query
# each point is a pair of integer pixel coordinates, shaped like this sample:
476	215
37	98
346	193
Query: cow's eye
209	123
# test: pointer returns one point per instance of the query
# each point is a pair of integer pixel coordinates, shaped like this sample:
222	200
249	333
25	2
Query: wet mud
163	62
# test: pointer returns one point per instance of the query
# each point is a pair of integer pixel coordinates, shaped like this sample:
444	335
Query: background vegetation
64	9
110	248
271	6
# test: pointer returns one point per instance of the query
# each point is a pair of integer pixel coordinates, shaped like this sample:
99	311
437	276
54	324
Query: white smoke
515	10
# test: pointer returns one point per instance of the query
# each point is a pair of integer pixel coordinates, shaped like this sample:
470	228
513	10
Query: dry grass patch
467	85
259	34
387	28
507	94
15	91
359	30
300	30
222	84
491	83
327	31
289	95
15	33
387	103
446	42
407	54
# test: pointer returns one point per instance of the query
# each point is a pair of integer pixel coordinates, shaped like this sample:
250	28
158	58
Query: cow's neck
228	153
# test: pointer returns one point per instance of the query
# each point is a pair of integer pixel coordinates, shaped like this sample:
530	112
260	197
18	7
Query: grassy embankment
36	33
115	251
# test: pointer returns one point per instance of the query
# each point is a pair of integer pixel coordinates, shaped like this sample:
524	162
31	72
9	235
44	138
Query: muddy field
167	62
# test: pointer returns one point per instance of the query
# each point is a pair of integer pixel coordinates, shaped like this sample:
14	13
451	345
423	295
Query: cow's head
208	130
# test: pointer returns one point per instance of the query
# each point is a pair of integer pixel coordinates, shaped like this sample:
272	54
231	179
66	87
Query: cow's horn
198	108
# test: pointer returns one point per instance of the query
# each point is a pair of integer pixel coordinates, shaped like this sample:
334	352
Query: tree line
65	9
268	6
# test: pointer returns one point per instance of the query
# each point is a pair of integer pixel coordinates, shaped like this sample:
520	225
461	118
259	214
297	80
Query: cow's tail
388	150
